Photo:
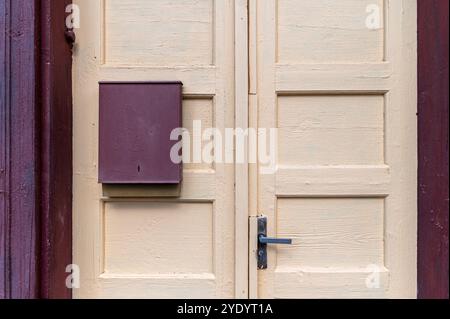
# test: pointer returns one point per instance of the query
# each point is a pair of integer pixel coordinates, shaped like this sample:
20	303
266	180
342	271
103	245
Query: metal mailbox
136	119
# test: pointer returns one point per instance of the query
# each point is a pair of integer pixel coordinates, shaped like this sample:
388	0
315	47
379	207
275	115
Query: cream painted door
142	247
340	86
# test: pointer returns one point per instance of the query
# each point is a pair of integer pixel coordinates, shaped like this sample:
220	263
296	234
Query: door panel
155	247
182	28
327	31
305	122
342	96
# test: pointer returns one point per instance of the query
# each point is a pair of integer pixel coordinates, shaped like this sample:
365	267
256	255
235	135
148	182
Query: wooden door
340	87
337	79
138	246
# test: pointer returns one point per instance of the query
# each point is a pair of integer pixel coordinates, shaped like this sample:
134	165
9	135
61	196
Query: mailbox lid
136	119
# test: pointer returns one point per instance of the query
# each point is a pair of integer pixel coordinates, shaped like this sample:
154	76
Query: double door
328	87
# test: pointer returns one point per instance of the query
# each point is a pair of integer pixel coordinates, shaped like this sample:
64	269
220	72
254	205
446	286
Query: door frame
241	65
36	222
433	105
36	95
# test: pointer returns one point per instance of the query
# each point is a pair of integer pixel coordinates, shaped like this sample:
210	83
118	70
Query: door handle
263	241
274	241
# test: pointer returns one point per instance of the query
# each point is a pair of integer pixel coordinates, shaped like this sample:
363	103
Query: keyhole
139	168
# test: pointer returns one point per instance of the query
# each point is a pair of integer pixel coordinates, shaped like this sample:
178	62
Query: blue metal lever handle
275	241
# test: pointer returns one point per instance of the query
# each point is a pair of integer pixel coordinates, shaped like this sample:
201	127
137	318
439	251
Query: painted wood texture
35	151
433	239
320	129
138	231
19	227
337	232
163	32
155	247
241	169
4	213
340	95
55	149
322	31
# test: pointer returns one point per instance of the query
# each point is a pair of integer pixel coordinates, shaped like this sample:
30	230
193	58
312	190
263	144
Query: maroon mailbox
136	119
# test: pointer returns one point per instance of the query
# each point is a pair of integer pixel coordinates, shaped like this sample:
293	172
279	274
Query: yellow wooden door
132	245
338	81
335	78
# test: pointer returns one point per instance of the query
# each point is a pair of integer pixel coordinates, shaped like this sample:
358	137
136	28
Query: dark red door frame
36	149
433	50
55	150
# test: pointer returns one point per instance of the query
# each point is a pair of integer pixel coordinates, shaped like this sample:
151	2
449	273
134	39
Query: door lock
263	241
